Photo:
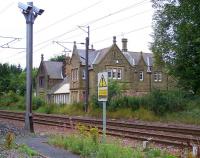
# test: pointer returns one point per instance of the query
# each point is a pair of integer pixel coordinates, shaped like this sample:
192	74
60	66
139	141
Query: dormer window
149	69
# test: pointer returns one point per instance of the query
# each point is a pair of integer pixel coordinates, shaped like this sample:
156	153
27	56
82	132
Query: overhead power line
6	8
116	12
111	23
10	37
7	44
135	30
68	17
94	21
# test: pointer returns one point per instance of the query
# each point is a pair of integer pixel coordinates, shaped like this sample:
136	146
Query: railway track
177	135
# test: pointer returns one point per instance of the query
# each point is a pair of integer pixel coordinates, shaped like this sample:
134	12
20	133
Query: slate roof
95	56
62	87
134	58
54	69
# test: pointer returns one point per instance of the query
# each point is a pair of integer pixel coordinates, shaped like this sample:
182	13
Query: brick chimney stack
124	45
42	57
114	40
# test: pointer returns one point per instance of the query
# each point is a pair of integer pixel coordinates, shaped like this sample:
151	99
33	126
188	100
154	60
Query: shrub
9	141
47	108
161	102
115	90
21	103
114	151
126	102
9	98
37	102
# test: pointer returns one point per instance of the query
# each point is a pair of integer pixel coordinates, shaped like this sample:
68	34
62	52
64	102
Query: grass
27	150
168	104
87	148
9	144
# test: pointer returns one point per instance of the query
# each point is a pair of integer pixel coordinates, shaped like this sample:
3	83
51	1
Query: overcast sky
131	19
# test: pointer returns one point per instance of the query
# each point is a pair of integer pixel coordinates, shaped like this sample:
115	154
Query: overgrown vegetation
176	42
172	106
9	144
176	105
27	150
87	143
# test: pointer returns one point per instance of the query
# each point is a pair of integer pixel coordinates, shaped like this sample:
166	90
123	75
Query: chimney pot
114	40
124	45
42	57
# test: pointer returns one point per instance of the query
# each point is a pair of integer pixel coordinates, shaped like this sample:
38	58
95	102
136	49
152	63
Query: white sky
131	19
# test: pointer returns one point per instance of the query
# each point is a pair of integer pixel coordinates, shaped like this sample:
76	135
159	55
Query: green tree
59	58
10	79
176	40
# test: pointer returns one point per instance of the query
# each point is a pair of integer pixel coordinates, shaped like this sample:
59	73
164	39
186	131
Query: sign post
103	96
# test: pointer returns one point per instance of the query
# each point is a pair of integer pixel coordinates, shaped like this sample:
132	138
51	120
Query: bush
126	102
47	108
21	103
37	102
9	98
161	102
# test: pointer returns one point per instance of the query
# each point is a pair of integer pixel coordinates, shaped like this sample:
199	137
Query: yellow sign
103	86
103	92
102	82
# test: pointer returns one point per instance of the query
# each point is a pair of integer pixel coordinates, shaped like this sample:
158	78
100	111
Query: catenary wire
67	17
93	21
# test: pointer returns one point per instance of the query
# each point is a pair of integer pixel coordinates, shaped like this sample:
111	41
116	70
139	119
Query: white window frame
141	76
158	76
115	73
119	74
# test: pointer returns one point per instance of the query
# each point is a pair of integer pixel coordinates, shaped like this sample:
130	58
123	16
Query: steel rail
178	135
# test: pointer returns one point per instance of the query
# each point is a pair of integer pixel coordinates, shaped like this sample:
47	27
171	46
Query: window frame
115	73
141	76
157	76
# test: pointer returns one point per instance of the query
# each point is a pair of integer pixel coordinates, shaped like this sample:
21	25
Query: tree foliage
176	43
13	78
9	78
59	58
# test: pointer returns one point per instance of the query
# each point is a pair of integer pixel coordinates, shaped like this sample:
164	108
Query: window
119	74
109	73
141	76
115	73
149	69
83	74
157	76
75	74
41	81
